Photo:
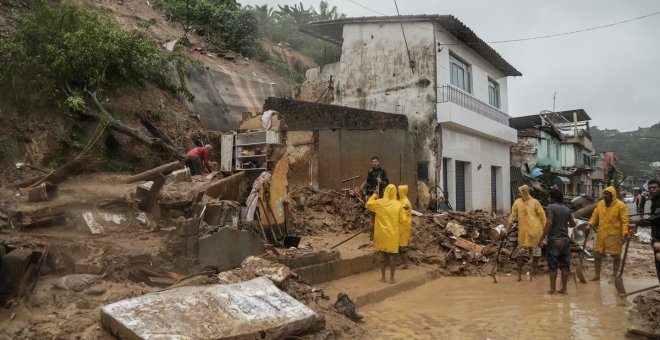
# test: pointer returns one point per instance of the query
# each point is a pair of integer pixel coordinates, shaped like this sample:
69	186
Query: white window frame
465	76
494	97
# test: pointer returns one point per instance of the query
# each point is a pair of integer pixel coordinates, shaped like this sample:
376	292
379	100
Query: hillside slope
634	149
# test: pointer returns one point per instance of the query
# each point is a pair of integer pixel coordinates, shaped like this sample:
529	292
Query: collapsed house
560	146
450	84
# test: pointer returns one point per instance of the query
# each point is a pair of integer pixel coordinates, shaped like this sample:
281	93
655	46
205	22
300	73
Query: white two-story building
450	84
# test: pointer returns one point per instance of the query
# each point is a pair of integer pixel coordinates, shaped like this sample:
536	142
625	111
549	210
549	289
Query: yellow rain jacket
388	220
406	216
531	220
612	224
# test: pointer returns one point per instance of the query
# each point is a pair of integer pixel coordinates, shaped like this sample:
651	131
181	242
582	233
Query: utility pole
554	100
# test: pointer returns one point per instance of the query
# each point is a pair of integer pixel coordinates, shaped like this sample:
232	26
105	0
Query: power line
536	37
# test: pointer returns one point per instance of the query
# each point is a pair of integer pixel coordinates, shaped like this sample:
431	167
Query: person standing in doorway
531	219
654	222
404	228
196	157
611	216
559	246
386	227
376	178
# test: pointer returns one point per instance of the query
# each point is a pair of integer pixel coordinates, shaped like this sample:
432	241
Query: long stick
639	290
350	238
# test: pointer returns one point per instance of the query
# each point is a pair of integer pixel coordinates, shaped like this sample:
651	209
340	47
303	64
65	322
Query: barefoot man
404	228
531	219
611	216
559	244
386	227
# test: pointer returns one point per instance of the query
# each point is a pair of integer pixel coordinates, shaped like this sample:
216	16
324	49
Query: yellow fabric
388	215
406	216
531	219
612	224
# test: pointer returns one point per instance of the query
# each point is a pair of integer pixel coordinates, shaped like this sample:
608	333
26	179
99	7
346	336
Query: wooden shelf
251	169
251	156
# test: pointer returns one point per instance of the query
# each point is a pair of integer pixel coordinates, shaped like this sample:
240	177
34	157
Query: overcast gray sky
613	73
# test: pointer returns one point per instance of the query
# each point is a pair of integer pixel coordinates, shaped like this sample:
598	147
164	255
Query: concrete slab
227	248
254	309
365	288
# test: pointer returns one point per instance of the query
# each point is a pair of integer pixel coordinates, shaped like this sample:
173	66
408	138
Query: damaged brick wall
525	151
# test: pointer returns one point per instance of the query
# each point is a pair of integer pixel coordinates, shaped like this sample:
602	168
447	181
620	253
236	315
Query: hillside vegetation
634	149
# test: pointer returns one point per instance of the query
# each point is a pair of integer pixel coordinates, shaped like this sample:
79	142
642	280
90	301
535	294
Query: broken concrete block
12	270
189	227
94	227
246	310
274	271
43	192
143	189
182	175
227	248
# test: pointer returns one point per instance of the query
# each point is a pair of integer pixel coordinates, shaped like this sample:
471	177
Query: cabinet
252	149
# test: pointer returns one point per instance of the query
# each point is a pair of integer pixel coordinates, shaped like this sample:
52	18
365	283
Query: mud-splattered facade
449	83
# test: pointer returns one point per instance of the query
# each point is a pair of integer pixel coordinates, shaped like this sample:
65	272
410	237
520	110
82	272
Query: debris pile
318	211
459	242
647	310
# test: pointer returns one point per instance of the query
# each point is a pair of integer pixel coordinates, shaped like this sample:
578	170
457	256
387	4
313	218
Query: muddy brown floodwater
477	308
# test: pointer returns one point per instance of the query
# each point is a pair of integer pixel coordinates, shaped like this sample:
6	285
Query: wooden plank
472	247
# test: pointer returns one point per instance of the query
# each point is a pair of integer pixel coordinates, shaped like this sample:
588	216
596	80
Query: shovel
618	279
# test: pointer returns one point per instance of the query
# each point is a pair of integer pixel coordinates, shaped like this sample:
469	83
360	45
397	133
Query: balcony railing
449	93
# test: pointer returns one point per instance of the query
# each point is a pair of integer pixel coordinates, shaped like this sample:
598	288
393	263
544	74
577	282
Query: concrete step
333	270
366	288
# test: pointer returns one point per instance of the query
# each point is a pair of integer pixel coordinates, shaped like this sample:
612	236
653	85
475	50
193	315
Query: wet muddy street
477	308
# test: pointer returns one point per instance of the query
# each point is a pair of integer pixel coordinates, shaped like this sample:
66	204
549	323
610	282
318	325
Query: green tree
70	55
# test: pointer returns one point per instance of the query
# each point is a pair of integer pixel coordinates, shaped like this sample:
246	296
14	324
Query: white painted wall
477	151
481	69
453	114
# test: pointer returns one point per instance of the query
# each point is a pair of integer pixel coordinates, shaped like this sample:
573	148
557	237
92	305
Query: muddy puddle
476	308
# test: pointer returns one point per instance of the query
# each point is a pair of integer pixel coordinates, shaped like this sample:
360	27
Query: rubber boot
553	283
598	261
617	264
564	282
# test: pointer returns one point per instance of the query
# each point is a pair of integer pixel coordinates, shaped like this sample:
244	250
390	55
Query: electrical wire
410	61
535	37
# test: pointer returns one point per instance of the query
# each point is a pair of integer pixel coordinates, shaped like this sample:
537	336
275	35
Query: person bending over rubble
386	227
531	219
196	157
404	228
559	244
611	216
654	222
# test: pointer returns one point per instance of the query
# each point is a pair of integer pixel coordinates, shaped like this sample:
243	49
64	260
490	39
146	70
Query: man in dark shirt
376	178
559	245
654	222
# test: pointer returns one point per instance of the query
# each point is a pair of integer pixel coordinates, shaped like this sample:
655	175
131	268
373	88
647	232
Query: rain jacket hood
612	191
406	216
388	220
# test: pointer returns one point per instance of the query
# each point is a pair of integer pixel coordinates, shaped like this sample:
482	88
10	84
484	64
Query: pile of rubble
647	311
461	243
319	211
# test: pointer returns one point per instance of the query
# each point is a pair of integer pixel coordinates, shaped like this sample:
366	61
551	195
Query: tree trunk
151	174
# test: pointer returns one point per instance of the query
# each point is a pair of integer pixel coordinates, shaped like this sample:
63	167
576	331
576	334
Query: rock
455	229
77	282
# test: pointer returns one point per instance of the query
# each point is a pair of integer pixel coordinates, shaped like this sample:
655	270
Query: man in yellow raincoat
611	216
406	222
386	227
531	220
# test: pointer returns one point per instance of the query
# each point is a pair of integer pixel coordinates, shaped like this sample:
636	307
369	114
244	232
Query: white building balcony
462	111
